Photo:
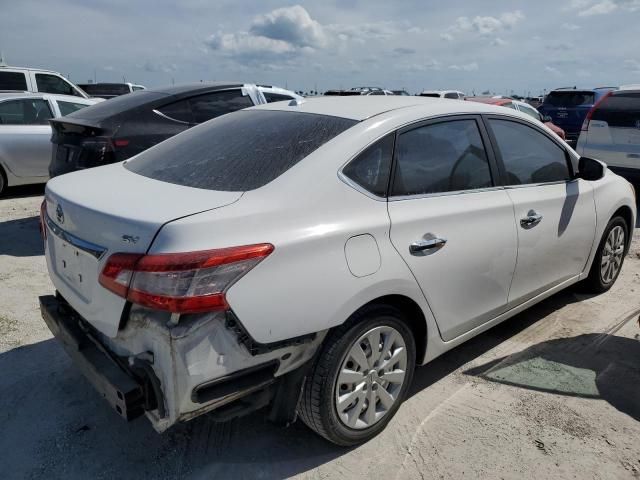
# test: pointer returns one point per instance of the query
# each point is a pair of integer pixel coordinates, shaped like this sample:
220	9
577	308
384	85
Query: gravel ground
552	393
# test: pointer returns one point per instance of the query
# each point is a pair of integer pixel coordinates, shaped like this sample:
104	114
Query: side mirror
590	169
547	118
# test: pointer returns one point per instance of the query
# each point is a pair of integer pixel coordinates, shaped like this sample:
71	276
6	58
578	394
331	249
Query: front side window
25	112
69	107
528	155
212	105
13	81
53	84
441	157
240	151
371	168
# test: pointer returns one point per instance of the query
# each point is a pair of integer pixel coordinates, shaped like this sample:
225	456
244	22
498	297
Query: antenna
2	61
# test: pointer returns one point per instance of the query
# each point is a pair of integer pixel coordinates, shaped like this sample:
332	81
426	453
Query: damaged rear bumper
175	373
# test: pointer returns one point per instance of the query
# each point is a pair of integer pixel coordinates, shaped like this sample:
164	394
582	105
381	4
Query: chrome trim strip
158	112
444	194
91	248
359	188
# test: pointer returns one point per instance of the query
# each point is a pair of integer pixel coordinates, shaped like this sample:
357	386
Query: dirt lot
551	393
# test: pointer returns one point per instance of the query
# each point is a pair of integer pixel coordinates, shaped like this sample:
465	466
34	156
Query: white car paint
337	248
25	150
31	76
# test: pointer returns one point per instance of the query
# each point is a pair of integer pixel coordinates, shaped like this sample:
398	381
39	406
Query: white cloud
292	25
570	26
486	25
550	69
245	43
600	8
589	8
469	67
498	42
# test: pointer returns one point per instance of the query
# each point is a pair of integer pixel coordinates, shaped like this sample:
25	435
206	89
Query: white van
36	80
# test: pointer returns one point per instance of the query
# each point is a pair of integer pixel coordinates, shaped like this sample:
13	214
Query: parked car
380	92
611	131
400	92
36	80
266	258
129	124
522	107
568	108
109	90
341	93
453	94
25	134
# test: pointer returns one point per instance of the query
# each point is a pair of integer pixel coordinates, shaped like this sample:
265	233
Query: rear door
451	224
25	147
613	135
555	213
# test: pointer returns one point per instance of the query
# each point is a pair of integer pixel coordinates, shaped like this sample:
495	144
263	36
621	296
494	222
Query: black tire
317	408
3	181
595	283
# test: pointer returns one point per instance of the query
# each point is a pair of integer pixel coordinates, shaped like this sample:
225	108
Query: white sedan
307	256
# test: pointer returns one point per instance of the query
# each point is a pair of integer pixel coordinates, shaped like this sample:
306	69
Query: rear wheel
360	377
609	257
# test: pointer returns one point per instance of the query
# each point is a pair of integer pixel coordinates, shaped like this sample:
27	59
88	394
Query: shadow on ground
54	424
589	366
23	191
21	237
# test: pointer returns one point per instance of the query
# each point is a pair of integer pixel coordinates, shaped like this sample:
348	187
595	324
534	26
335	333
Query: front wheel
360	377
609	257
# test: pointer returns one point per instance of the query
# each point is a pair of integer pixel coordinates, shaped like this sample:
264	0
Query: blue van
568	108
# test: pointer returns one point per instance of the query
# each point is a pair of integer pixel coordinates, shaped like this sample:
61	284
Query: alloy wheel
370	378
612	255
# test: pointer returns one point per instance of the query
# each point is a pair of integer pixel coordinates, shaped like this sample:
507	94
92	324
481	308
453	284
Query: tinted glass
13	81
377	92
532	112
371	168
622	109
98	89
433	95
276	97
240	151
54	84
528	155
212	105
180	111
69	107
443	157
569	98
118	105
25	112
451	95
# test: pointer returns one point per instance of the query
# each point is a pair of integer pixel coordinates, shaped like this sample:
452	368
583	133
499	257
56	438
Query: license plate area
75	267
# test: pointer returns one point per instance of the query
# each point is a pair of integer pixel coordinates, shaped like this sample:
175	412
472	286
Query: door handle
417	248
531	220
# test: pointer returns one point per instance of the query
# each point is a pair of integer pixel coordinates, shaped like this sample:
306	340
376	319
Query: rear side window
212	105
54	84
179	111
108	89
69	107
528	155
13	81
276	97
622	109
25	112
569	99
442	157
371	168
240	151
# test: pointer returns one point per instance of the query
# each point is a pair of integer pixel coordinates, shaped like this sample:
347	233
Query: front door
555	213
452	226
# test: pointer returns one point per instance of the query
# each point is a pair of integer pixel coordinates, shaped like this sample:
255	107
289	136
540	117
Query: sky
505	47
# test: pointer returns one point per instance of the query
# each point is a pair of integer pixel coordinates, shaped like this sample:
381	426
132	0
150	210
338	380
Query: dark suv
116	129
568	108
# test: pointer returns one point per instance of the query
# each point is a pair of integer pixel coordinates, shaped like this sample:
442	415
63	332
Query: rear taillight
587	119
121	142
96	151
43	216
181	282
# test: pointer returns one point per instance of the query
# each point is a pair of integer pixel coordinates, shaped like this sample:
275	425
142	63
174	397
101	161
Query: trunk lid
94	213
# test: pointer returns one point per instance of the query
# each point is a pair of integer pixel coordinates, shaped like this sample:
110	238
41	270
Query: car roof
10	67
490	100
362	107
194	87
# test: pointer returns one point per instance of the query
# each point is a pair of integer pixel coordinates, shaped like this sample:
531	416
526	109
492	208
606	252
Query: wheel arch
627	215
414	317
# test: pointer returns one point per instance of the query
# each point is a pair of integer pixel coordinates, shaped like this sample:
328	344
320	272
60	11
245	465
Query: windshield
240	151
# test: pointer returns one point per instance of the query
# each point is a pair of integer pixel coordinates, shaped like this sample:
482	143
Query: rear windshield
622	109
106	89
240	151
117	105
569	99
